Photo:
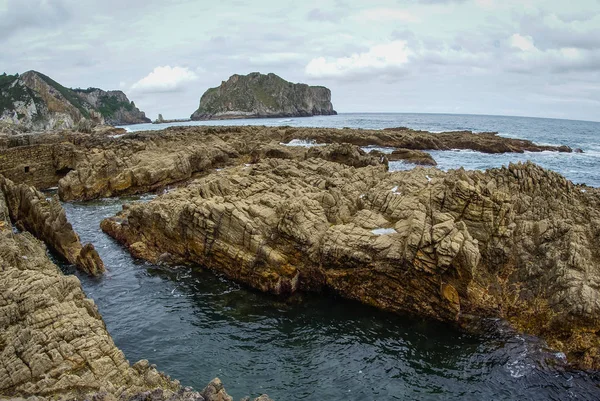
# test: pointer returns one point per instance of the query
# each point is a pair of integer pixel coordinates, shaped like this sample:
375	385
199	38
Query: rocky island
259	96
34	101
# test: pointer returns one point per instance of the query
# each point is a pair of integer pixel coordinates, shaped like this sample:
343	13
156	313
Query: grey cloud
316	14
28	14
577	16
439	1
547	37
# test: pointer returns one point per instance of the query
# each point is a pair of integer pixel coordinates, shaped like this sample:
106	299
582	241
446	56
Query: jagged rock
517	243
412	156
45	218
53	342
347	154
215	392
109	162
258	95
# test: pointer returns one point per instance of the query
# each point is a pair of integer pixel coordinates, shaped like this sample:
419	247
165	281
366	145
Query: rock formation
45	218
518	243
114	106
109	162
257	95
409	156
53	342
36	102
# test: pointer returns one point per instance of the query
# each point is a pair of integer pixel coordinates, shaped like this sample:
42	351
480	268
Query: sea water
196	325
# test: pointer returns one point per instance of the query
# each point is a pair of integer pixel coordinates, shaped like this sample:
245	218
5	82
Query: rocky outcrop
53	342
406	138
518	243
37	102
409	156
45	218
257	95
109	162
114	106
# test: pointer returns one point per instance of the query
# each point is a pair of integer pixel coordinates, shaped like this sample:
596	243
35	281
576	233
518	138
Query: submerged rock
517	243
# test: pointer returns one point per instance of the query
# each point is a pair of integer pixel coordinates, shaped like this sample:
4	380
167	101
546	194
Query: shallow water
196	325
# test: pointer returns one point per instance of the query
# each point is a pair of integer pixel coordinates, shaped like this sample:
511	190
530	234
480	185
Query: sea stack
258	96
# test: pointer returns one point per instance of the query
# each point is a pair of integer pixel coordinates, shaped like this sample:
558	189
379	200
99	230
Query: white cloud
524	43
387	14
380	57
165	79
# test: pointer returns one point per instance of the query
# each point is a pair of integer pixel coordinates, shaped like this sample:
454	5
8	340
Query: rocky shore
110	162
515	243
53	342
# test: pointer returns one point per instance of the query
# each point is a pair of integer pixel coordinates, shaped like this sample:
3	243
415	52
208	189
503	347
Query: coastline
230	148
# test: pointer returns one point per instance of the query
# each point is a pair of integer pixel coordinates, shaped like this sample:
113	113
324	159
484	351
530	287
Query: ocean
196	325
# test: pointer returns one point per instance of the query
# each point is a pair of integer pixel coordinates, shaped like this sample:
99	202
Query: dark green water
196	326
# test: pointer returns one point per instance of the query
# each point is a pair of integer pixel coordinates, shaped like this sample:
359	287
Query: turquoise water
196	325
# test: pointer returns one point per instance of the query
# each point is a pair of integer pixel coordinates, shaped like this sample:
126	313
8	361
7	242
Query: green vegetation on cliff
69	94
260	95
108	105
11	94
35	101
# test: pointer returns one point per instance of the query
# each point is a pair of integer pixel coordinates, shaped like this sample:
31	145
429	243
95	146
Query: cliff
257	95
36	102
114	106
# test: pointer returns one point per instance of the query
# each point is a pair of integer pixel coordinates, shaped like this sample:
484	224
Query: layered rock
517	243
257	95
53	342
37	102
411	156
45	218
109	162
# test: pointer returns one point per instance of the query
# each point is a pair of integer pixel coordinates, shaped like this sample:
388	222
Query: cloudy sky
509	57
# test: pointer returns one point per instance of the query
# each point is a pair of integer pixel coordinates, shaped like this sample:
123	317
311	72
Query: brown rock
53	342
516	243
45	218
412	156
108	162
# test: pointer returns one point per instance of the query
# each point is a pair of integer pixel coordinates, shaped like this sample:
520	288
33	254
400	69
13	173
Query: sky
537	58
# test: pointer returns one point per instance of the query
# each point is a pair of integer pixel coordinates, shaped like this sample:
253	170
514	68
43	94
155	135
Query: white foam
382	149
384	231
303	142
